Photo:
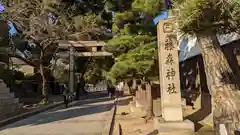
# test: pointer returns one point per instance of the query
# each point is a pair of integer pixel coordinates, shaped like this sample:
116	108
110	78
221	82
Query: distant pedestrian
78	88
111	90
65	94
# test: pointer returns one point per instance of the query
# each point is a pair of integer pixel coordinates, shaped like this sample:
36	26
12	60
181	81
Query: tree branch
23	59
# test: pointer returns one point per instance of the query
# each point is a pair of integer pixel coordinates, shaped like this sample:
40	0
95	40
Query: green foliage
97	69
136	63
134	44
124	43
81	63
93	76
148	6
133	22
120	19
118	5
124	16
222	16
135	33
5	1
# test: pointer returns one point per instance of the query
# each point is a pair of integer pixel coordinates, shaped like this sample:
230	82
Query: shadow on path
85	107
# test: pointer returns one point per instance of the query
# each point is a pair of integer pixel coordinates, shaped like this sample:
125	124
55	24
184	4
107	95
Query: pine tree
205	19
134	44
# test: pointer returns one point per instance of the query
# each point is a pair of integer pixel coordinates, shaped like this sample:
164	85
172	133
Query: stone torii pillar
72	49
171	107
71	69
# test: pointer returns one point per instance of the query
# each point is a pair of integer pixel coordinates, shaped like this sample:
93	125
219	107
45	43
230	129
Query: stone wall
8	102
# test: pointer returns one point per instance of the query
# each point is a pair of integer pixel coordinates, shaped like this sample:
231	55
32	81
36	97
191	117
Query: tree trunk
44	90
150	113
221	83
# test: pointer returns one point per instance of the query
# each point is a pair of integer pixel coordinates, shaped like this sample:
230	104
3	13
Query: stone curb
108	129
119	129
31	113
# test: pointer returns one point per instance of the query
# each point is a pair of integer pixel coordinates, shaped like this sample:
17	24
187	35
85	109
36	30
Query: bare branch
23	59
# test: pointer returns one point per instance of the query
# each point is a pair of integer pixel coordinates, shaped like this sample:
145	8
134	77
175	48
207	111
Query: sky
12	30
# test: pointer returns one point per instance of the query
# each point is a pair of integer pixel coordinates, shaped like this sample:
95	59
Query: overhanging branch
23	59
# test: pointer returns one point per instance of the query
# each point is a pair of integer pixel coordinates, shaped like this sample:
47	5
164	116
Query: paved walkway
85	118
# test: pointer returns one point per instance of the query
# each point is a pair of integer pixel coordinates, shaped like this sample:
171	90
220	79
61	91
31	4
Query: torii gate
79	49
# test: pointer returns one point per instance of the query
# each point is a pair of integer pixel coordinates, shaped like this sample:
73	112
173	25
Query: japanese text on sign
168	46
169	59
171	88
170	74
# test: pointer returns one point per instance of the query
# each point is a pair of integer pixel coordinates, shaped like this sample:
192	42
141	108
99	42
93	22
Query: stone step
9	101
6	95
2	83
4	89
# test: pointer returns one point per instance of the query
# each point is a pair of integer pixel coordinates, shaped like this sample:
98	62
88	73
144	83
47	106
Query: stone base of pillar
166	126
209	121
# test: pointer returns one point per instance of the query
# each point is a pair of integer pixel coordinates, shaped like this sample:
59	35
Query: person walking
78	88
111	90
65	94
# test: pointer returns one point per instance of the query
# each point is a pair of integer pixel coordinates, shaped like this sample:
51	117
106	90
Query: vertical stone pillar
171	105
169	70
71	69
